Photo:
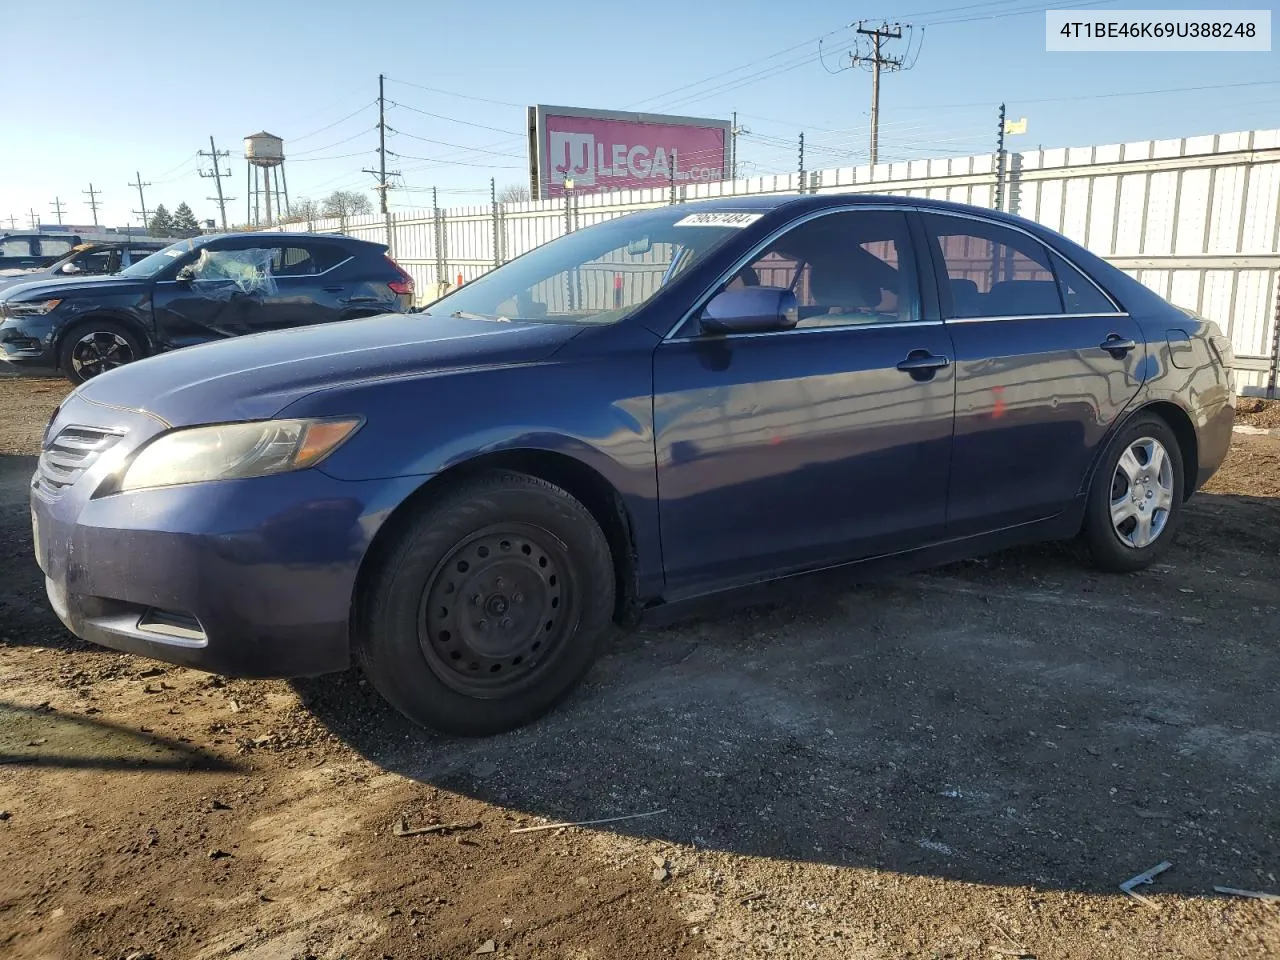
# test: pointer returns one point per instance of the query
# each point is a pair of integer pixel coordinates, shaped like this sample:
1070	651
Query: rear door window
15	247
305	259
991	270
1079	293
54	247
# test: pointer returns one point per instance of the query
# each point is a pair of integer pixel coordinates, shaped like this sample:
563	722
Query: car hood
35	288
256	376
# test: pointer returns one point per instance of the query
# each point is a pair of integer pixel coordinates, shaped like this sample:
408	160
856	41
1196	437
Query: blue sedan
667	406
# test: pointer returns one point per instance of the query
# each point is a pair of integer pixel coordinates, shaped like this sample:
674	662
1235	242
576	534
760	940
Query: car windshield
599	274
148	267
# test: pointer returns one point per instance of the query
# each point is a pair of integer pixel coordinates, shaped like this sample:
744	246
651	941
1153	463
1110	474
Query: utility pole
35	221
13	222
382	173
802	190
142	201
217	176
877	61
1000	161
57	206
93	201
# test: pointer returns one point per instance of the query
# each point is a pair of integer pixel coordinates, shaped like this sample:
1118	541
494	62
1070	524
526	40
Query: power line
329	126
1000	15
184	163
334	156
445	143
466	123
1100	96
455	163
330	146
451	93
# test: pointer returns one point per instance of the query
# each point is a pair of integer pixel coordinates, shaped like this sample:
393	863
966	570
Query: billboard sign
601	150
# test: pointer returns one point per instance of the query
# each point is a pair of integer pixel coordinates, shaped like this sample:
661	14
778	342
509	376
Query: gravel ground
964	763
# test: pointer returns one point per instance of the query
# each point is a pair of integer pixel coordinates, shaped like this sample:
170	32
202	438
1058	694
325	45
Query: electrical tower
93	195
874	59
57	206
382	173
217	176
142	200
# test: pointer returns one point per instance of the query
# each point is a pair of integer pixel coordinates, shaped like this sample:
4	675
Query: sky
94	95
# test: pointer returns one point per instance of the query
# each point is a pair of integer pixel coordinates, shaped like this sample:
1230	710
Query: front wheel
96	347
487	609
1135	502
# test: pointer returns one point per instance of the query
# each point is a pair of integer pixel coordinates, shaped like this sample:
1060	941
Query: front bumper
251	578
28	342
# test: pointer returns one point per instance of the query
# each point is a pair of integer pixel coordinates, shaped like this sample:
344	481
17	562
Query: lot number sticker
719	220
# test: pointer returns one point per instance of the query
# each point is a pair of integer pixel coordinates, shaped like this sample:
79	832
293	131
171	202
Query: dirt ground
964	763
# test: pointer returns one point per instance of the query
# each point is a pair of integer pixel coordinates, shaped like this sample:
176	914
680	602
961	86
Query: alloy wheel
99	351
1142	493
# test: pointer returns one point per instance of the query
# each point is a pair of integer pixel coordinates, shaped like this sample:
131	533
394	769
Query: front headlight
235	450
32	308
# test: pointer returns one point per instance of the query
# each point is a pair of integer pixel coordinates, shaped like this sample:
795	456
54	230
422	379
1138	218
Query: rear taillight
404	286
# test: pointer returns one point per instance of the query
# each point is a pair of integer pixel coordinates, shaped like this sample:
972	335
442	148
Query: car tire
488	607
97	346
1135	502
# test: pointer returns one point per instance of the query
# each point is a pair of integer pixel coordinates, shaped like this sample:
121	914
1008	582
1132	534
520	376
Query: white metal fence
1195	219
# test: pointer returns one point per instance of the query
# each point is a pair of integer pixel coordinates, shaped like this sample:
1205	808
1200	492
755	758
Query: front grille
69	455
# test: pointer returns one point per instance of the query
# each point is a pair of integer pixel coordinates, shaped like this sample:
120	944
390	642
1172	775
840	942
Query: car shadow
1016	720
44	737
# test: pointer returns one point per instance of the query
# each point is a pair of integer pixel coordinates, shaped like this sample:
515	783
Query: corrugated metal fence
1196	219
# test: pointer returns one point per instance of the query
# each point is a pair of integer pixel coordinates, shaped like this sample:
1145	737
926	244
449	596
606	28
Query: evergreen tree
161	224
184	222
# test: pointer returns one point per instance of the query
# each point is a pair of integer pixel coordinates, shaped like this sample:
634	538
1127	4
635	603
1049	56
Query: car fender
597	412
92	312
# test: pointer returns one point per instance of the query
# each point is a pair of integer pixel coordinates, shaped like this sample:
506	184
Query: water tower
265	151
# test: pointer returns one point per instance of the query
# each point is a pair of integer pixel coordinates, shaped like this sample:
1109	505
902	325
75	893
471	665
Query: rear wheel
96	347
1135	502
487	609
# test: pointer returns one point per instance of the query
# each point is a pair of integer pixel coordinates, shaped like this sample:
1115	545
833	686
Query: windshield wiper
464	315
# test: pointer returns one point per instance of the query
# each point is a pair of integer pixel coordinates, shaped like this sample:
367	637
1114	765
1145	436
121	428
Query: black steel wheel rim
100	351
496	613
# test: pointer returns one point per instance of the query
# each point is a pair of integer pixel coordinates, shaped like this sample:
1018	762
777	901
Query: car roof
818	201
284	235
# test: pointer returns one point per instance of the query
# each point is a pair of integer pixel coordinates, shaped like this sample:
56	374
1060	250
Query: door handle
1117	345
335	289
923	361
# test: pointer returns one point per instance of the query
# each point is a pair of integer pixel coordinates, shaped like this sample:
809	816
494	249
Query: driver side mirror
71	268
186	274
751	310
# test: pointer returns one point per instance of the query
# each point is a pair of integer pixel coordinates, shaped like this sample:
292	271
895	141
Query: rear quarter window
50	247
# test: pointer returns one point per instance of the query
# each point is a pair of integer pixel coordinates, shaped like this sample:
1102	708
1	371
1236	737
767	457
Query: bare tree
345	203
302	210
513	193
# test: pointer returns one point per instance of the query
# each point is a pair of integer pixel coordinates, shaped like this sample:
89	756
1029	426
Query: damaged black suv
197	290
